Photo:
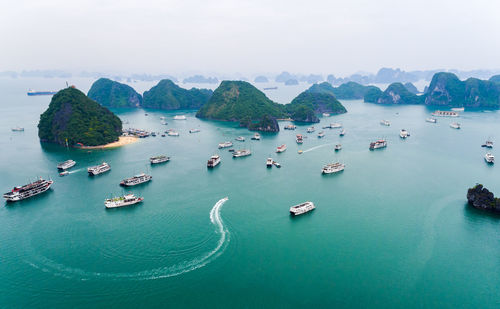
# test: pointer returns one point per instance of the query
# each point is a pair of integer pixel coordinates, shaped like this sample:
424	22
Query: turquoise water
392	230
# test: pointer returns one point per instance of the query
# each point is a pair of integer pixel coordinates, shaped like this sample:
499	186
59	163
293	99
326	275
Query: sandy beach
122	141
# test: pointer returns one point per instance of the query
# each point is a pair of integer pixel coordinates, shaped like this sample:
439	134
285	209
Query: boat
162	118
338	147
431	120
163	122
179	117
455	125
281	148
300	152
121	201
335	125
172	133
240	139
488	144
299	139
385	122
403	133
163	135
194	130
342	133
153	134
32	92
290	127
225	145
145	114
231	150
302	208
381	143
159	159
458	109
63	173
241	153
256	137
98	169
333	168
17	129
439	113
213	161
277	164
29	190
135	180
489	158
321	134
66	164
269	162
326	115
310	130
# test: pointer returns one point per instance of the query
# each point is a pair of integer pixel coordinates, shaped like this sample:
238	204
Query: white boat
162	118
194	130
172	133
121	201
66	164
338	147
17	129
439	113
22	192
213	161
163	122
326	115
489	158
333	168
458	109
335	125
431	120
455	125
488	144
281	148
179	117
403	133
137	179
256	137
381	143
98	169
240	139
225	145
302	208
277	164
299	139
310	130
63	173
342	133
269	162
159	159
290	127
241	153
321	134
385	122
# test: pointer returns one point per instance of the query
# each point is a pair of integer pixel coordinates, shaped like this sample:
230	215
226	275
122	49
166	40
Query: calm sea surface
392	230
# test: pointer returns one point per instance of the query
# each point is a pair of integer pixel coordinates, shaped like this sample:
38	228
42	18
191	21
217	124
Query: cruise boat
302	208
281	148
29	190
32	92
269	162
98	169
335	125
458	109
321	134
241	153
63	173
299	139
213	161
378	144
159	159
489	158
403	133
310	130
455	125
121	201
385	122
338	147
431	120
194	130
333	168
137	179
17	129
439	113
326	115
225	145
179	117
256	137
488	144
66	165
342	133
290	127
240	139
172	133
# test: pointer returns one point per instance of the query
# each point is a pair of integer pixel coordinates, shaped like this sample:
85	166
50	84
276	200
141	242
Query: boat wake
316	147
47	265
75	171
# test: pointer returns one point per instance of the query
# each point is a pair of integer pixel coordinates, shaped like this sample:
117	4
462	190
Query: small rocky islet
481	198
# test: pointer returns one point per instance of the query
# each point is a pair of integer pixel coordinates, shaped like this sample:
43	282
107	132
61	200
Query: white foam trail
156	273
316	147
75	171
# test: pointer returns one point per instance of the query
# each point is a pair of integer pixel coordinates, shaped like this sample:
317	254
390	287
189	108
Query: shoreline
122	141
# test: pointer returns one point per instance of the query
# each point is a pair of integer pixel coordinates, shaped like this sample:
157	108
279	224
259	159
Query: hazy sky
176	37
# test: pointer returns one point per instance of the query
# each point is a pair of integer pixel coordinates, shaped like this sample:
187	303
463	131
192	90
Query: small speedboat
489	158
338	147
487	144
65	173
342	133
277	164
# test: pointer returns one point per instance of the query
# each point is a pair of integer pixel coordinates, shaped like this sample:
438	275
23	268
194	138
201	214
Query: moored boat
256	137
66	165
135	180
277	164
281	148
439	113
299	139
489	158
269	162
431	120
98	169
385	122
241	153
338	147
172	133
17	129
455	125
159	159
333	168
302	208
326	115
381	143
225	144
22	192
458	109
488	144
342	133
194	130
213	161
126	200
240	139
179	117
310	130
321	134
403	133
290	127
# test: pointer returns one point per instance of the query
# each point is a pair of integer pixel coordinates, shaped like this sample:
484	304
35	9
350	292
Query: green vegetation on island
411	88
114	94
167	95
73	118
495	79
481	198
307	104
346	91
396	93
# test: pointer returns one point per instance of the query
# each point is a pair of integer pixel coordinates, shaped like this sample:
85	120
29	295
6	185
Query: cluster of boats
270	162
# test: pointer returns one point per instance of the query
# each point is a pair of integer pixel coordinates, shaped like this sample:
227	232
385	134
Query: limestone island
481	198
114	94
73	119
167	95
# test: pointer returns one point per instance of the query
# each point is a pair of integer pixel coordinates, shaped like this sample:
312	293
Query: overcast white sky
176	37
